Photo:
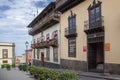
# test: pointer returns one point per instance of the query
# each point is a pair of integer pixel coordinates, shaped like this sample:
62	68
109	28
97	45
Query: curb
101	77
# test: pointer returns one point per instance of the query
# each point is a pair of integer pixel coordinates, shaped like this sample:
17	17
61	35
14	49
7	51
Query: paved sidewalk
14	74
106	76
101	76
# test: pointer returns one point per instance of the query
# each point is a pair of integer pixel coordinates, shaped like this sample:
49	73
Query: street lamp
26	44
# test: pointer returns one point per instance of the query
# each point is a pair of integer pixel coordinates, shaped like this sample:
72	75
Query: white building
45	29
7	53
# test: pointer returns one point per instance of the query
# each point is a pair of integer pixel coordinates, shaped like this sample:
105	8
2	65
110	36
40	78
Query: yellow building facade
23	59
7	53
90	35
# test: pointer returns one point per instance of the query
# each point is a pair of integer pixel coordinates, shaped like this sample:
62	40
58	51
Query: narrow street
14	74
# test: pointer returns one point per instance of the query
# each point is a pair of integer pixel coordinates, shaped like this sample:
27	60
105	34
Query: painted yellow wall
81	16
111	13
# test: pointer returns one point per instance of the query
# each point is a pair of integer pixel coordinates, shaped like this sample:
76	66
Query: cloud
15	15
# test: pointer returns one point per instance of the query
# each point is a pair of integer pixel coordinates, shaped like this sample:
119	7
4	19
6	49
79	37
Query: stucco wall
49	30
111	13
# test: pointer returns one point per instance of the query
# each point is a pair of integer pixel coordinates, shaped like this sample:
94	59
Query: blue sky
15	15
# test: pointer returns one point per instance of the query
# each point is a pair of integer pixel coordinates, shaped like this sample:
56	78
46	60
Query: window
72	47
55	54
47	54
5	61
92	16
5	53
47	37
34	53
95	14
72	22
56	34
38	53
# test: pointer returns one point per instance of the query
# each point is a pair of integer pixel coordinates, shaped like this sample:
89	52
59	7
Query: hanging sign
107	47
84	48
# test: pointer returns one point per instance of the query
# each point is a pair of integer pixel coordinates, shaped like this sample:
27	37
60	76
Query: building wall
18	60
45	32
9	47
29	52
111	13
23	60
81	40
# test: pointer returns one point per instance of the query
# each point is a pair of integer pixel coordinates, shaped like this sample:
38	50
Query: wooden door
92	56
42	59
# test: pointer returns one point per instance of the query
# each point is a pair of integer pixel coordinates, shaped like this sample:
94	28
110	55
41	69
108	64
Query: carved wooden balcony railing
53	43
45	44
94	27
70	33
33	46
45	21
37	45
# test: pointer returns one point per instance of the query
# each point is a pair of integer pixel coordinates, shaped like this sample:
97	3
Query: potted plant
2	66
67	76
13	65
24	67
36	72
20	67
8	67
31	69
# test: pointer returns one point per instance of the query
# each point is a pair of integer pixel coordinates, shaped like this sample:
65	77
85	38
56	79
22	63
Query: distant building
29	56
18	60
7	53
23	60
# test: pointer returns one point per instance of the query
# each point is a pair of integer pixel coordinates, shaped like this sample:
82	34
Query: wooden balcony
45	44
97	26
70	33
37	45
53	43
49	20
33	46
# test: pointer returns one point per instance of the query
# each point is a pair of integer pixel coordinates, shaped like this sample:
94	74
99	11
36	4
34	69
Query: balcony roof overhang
41	15
68	5
44	27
